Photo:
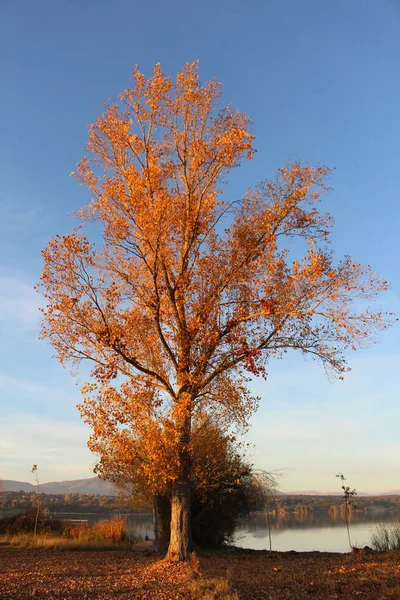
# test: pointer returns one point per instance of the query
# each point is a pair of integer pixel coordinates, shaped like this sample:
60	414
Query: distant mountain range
93	485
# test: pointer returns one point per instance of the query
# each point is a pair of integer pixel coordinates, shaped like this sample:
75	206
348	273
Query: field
123	574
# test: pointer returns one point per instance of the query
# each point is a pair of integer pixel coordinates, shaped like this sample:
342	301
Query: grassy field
123	574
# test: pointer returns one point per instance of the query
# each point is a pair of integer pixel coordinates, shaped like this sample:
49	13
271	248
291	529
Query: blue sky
320	81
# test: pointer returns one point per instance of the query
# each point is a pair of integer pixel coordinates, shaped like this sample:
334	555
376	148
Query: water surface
289	531
309	532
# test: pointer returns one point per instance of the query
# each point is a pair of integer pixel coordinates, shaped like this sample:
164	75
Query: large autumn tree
225	486
190	291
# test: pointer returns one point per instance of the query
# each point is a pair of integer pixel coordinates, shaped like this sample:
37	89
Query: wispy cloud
31	389
19	304
14	219
315	428
58	447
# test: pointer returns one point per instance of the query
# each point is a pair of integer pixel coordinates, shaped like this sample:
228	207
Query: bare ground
123	574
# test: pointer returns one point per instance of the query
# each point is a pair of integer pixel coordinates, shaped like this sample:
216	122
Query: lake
307	532
289	531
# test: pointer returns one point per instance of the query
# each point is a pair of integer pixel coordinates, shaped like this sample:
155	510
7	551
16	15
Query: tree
224	484
189	292
348	494
34	470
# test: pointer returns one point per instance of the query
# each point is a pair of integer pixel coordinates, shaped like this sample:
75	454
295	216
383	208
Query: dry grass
102	535
212	588
60	542
109	531
386	537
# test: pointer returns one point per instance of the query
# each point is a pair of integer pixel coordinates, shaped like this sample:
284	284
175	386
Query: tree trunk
36	517
180	545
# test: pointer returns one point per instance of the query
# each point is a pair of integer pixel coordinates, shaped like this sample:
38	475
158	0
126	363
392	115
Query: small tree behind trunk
156	523
162	505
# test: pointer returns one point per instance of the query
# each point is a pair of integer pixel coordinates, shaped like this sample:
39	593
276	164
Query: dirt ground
122	574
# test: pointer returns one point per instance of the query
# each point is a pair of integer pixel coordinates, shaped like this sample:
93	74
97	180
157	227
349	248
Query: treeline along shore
74	503
331	504
304	507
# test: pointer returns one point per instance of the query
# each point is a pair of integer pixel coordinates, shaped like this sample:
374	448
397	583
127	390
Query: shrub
24	523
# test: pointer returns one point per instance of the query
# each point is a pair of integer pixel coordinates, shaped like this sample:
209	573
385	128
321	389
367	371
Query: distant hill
7	485
315	493
93	485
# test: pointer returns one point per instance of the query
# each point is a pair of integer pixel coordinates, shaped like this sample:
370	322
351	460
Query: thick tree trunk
180	545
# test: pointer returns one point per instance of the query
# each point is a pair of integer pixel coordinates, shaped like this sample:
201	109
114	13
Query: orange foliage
190	292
